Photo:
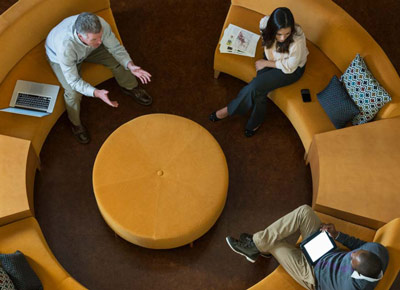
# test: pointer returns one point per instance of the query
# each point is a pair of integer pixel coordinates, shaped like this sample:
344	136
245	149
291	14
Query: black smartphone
305	94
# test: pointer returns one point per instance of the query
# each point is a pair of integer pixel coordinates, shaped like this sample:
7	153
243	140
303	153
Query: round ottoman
160	181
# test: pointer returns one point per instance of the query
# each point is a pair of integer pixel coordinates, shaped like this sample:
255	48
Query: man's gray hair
87	23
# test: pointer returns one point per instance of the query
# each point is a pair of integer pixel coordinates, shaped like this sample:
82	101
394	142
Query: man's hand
330	228
103	95
140	73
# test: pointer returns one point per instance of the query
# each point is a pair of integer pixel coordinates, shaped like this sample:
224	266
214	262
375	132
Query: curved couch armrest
70	284
25	235
389	236
278	279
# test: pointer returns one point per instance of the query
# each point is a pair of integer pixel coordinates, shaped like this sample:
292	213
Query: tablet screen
318	246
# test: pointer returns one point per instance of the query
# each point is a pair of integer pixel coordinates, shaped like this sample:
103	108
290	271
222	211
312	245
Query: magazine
237	40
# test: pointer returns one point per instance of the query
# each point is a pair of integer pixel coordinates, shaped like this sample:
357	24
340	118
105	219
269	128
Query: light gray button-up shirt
64	47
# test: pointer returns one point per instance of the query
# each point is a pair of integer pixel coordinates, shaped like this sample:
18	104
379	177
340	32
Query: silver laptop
33	99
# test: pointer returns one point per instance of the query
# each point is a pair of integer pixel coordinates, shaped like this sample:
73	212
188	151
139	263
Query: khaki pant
100	56
272	240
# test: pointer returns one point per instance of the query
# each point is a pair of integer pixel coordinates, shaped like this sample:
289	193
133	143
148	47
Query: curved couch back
340	37
27	23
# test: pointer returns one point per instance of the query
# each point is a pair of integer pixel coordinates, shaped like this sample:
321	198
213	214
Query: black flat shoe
250	133
213	117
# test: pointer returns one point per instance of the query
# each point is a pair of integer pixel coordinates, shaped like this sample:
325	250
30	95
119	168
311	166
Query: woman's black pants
254	95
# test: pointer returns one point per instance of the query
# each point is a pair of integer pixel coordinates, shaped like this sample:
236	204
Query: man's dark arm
346	240
350	242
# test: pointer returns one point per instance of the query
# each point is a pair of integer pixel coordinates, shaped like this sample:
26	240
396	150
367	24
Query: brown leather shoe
81	134
139	95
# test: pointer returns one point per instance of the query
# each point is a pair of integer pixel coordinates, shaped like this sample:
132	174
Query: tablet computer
317	245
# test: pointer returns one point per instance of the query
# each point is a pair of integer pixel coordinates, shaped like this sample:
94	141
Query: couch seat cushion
70	284
25	235
307	118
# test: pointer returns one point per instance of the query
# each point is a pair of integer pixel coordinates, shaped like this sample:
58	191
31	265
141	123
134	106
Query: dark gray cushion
22	275
5	281
337	104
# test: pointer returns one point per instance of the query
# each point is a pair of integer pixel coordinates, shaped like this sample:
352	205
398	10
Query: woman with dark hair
285	57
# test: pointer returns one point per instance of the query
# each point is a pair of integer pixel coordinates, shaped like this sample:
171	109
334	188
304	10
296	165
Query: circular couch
24	58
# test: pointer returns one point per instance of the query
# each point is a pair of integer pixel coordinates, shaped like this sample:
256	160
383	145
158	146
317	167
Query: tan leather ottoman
160	181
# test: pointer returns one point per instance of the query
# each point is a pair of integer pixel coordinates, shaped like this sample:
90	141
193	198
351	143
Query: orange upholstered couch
333	39
25	235
23	29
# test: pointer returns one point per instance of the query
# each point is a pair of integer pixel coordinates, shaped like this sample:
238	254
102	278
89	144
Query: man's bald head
366	263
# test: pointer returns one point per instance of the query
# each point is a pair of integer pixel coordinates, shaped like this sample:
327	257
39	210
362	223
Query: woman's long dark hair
280	18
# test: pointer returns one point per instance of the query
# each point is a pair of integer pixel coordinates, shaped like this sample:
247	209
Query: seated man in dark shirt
361	268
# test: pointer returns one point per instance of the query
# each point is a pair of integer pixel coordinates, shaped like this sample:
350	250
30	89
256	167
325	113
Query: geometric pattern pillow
5	281
365	90
337	104
22	275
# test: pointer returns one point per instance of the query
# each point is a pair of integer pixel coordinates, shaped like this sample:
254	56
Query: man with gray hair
87	37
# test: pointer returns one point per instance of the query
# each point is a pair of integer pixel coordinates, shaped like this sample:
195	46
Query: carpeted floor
175	41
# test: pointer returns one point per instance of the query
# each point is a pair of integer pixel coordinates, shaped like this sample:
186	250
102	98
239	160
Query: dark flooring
175	41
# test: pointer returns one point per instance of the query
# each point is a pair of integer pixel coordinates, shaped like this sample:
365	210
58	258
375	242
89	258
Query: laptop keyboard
33	101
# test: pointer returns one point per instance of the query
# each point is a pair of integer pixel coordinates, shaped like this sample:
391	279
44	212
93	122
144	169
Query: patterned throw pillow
5	281
337	104
22	275
365	90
